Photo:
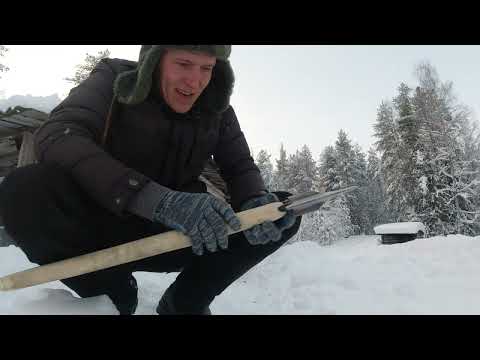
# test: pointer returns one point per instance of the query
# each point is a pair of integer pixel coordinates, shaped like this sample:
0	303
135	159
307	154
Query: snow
356	275
400	228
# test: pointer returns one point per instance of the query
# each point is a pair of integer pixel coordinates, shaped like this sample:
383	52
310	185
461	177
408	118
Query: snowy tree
341	166
439	151
467	200
350	169
3	50
451	181
327	166
429	156
84	69
280	173
292	169
358	200
332	222
388	144
266	168
302	171
375	207
408	126
344	161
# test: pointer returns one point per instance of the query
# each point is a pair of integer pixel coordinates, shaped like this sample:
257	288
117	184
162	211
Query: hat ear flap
216	96
133	87
125	86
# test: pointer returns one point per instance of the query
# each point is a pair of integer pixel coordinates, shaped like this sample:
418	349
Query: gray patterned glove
202	217
269	230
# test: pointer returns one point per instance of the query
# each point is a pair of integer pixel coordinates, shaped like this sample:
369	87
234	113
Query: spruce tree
327	168
303	174
266	168
450	201
280	173
389	145
376	211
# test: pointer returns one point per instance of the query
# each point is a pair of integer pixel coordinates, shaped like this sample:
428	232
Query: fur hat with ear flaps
133	87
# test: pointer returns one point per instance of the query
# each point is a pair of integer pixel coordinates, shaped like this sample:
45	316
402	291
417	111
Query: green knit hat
133	87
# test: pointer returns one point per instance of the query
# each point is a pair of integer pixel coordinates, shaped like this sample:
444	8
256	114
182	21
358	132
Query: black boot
125	296
166	306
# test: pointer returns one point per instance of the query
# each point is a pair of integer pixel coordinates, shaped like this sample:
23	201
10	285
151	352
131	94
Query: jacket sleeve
71	138
236	164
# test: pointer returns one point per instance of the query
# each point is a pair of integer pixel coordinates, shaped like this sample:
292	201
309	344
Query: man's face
183	77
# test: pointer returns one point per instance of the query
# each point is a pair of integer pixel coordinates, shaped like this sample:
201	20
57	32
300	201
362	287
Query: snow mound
63	302
400	228
353	276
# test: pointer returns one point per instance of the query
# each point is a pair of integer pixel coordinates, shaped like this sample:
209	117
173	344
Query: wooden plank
23	120
9	124
26	155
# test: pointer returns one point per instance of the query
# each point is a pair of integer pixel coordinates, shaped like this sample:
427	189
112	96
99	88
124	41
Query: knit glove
269	230
202	217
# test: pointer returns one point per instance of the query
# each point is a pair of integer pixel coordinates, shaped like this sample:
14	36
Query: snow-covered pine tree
329	224
465	184
468	200
350	169
332	221
449	181
303	173
302	177
408	126
280	174
389	146
293	168
375	208
266	168
327	168
344	161
359	199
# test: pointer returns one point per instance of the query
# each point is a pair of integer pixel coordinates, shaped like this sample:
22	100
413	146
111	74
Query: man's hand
269	230
202	217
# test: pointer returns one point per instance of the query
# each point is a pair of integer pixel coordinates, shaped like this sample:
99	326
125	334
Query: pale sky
283	93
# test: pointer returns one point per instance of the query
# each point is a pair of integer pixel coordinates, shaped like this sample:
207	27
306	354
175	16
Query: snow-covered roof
400	228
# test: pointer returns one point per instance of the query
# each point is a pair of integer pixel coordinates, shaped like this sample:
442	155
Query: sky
290	94
354	276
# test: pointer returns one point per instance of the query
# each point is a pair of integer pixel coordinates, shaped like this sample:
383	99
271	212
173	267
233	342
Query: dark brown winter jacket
146	142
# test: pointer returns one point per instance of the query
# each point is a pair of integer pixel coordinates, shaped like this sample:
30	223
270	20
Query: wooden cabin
16	129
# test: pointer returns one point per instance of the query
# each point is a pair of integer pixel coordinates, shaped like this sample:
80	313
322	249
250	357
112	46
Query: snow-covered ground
357	275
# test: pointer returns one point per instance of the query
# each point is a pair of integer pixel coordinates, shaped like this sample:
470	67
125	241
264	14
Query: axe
158	244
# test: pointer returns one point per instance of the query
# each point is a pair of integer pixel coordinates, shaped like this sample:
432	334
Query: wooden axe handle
125	253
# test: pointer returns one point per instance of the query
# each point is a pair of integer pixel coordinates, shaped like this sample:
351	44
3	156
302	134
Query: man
120	159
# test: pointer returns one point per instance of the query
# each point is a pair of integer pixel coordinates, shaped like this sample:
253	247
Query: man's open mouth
184	92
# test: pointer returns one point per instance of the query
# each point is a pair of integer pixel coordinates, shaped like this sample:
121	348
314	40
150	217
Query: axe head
301	204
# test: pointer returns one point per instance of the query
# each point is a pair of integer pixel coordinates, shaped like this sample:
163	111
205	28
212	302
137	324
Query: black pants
51	219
